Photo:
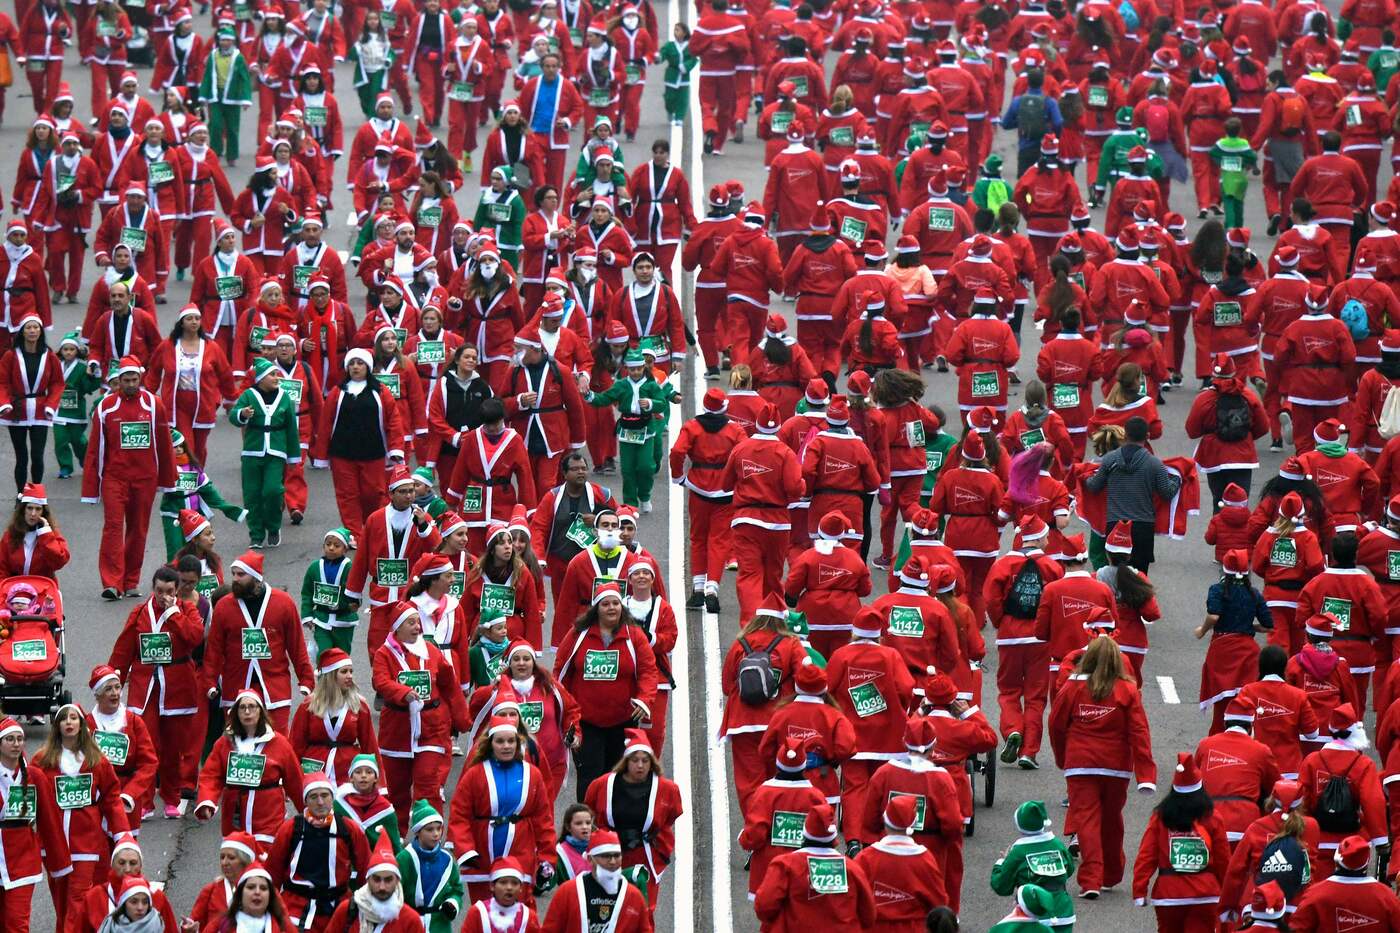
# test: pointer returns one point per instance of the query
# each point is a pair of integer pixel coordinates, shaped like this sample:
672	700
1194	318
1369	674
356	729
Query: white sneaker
646	506
1286	422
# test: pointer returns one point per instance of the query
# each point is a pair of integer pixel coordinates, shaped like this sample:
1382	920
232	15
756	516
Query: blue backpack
1355	318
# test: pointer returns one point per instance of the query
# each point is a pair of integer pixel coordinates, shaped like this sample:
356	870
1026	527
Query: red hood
1320	664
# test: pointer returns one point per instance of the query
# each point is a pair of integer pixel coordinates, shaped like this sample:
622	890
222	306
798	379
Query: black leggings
600	749
29	443
1219	479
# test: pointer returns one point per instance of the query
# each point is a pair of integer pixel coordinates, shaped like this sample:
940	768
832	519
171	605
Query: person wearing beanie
1350	594
706	442
1037	857
1033	912
916	622
1367	406
971	496
874	688
1350	488
1228	527
815	271
70	419
1100	736
816	884
990	191
1337	187
1120	282
1345	755
1134	192
492	473
969	271
1183	855
361	798
781	367
749	264
1115	143
776	812
1313	356
333	726
827	582
905	873
710	293
1322	674
316	855
1348	898
603	890
1237	769
938	448
830	737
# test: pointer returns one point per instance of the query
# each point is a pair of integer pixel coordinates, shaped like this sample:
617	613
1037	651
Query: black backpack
1284	860
1336	810
1023	599
758	679
1030	117
1232	417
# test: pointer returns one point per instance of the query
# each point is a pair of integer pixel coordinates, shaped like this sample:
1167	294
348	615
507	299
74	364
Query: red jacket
740	717
25	291
224	312
26	402
837	468
261	810
699	251
213	387
1065	605
1280	302
1064	363
1180	879
907	882
332	741
663	209
1238	771
529	836
829	736
766	477
582	574
664	807
983	350
390	429
153	262
291	868
1011	630
828	586
1361	773
502	476
920	628
376	549
664	319
747	261
1339	904
1046	198
1102	738
707	447
794	188
568	911
134	463
775	800
1212	453
930	785
173	687
970	497
1349	487
557	412
939	225
443	713
1326	679
1354	598
1335	185
49	554
1283	717
225	663
608	702
873	686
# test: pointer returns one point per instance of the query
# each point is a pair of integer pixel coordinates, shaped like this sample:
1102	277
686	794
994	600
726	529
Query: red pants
15	906
976	570
1187	918
1276	198
760	553
463	119
656	732
555	567
1023	686
106	81
855	781
1305	418
193	239
269	106
600	427
665	254
749	770
788	241
821	340
709	540
1205	175
416	778
629	109
167	227
1370	162
825	641
44	85
717	106
359	490
1181	323
1096	810
64	243
1093	149
546	470
85	874
398	81
379	619
431	88
709	324
743	95
1339	247
743	323
126	514
493	82
294	486
904	499
175	742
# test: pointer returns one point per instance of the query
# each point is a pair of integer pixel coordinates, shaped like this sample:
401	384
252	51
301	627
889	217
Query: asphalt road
705	890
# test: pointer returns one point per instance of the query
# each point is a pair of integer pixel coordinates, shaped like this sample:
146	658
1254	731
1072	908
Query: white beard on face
610	880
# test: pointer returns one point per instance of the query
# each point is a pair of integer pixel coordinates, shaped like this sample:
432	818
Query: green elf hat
261	367
422	815
424	475
634	357
993	164
1123	116
365	761
176	438
504	171
1035	901
343	534
1031	818
113	369
914	142
226	31
70	337
797	624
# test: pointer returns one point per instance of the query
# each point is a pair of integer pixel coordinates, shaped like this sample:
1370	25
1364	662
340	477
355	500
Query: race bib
1077	278
420	682
472	499
430	217
391	381
160	172
21	803
599	97
245	769
933	460
314	116
1231	164
941	219
115	746
867	699
1283	553
1098	96
459	584
1046	864
1033	437
206	586
633	74
532	715
291	388
632	435
254	645
229	287
801	87
499	213
35	650
74	791
853	229
656	343
842	136
155	648
186	481
786	829
919	128
325	595
301	277
311	765
497	601
460	91
1341	608
1389	60
389	19
1064	395
68	401
1392	565
781	120
906	622
135	435
133	237
1187	855
255	337
580	533
986	385
242	11
599	582
914	433
391	571
1353	117
1227	314
432	351
827	875
600	665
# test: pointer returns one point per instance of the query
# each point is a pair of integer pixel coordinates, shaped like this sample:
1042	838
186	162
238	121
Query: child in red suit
1228	528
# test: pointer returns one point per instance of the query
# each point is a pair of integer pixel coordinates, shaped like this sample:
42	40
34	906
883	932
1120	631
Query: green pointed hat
261	367
348	540
1123	116
1031	817
71	337
797	624
364	761
421	815
176	438
1035	901
634	357
113	367
425	475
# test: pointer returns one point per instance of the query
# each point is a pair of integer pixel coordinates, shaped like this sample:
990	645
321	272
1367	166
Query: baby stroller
32	661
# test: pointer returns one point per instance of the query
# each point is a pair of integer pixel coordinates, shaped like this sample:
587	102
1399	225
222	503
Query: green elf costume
1236	159
268	417
324	607
372	59
487	658
194	491
1040	860
1032	907
639	400
797	624
991	192
71	420
680	62
1113	161
225	90
431	883
583	168
1384	63
372	812
432	503
504	212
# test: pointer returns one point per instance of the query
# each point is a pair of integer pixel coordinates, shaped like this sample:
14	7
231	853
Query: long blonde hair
1129	375
327	697
51	752
1103	662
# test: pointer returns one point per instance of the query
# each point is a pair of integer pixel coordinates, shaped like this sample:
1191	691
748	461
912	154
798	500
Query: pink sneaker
172	812
148	813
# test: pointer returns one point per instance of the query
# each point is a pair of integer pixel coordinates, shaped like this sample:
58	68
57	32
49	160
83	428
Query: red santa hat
1320	625
316	780
772	606
125	842
383	858
635	740
128	364
810	680
1070	243
1073	548
817	393
1292	469
1238	237
919	734
754	215
792	755
981	245
602	842
901	813
766	419
1239	709
915	572
838	412
907	245
833	526
101	676
821	220
1286	256
552	306
1392	508
1383	211
530	337
1268	903
923	523
1120	539
1390	341
332	660
1291	506
1186	779
1032	527
774	327
1288	794
1316	299
1344	718
509	867
874	251
1223	366
820	825
1049	145
8	726
432	565
850	170
1353	853
939	689
715	401
34	494
131	886
973	447
942	578
1328	431
192	524
1128	238
1234	494
400	476
251	563
868	624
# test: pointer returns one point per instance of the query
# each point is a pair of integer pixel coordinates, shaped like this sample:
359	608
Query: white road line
1168	688
682	881
717	780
